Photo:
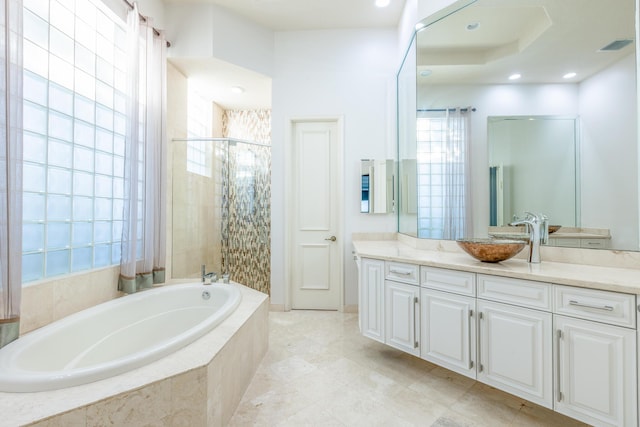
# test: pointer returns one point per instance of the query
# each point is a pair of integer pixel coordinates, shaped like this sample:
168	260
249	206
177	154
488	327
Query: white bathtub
114	337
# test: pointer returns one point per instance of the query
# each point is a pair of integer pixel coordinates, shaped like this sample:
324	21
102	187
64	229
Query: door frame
289	206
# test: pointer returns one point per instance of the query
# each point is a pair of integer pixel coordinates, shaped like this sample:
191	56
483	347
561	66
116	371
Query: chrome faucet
538	229
213	276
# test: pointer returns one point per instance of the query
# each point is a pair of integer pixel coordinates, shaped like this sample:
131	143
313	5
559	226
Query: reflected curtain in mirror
143	232
443	140
11	170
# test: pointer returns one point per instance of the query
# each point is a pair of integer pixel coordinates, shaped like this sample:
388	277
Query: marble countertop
587	276
578	235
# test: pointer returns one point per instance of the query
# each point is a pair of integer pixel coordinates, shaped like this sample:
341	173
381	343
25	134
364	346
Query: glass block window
199	125
441	152
74	136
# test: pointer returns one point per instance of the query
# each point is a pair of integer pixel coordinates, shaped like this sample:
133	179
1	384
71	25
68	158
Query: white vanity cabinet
596	368
402	296
448	319
372	299
515	337
570	349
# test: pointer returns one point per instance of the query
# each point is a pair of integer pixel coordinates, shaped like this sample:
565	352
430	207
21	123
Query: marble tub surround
598	269
200	384
48	300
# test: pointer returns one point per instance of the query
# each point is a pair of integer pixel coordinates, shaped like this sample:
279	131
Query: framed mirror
525	71
377	186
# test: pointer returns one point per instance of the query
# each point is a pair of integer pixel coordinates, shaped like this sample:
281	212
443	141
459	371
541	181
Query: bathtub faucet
211	275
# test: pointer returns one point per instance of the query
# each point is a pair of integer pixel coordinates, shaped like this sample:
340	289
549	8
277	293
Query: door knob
332	238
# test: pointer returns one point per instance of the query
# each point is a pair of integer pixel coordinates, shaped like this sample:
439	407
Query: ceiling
214	78
540	39
295	15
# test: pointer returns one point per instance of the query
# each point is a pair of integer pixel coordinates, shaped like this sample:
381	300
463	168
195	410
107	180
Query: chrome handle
403	272
416	311
597	307
480	367
470	354
332	238
558	361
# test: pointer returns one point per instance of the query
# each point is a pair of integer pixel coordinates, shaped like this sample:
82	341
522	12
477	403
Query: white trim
288	201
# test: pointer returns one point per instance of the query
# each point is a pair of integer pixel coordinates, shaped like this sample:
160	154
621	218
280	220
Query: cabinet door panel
371	310
448	331
515	351
402	325
595	372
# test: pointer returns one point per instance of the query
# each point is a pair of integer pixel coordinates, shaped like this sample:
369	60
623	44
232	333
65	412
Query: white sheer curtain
458	221
10	168
443	147
143	234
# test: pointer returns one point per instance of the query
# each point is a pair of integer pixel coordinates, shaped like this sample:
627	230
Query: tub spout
211	275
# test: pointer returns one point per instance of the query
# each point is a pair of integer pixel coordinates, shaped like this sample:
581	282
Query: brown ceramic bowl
554	228
491	250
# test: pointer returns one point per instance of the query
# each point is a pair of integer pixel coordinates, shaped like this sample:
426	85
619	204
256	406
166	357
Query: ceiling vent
616	45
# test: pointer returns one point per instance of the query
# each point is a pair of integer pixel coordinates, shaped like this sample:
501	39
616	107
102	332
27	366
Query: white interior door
316	261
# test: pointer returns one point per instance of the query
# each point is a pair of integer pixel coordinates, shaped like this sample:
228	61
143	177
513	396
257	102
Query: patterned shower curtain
10	169
144	232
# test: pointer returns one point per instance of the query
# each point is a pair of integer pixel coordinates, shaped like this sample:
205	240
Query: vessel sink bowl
491	250
554	228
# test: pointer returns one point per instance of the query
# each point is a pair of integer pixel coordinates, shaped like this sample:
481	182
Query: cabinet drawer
594	243
591	304
401	272
459	282
525	293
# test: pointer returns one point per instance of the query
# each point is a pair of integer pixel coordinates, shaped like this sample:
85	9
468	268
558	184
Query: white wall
348	73
198	30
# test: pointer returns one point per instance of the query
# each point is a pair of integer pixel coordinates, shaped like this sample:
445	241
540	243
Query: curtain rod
144	19
442	110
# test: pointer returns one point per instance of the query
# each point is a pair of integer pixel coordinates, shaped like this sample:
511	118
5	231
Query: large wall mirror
522	105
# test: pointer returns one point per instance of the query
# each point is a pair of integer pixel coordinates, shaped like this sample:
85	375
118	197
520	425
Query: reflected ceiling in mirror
559	50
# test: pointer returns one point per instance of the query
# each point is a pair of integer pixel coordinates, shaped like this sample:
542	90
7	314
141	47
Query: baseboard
276	307
351	308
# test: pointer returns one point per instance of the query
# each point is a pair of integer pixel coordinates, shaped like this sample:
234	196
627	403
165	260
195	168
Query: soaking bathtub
114	337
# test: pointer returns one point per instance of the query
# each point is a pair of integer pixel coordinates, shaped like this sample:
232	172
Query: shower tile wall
249	125
247	199
246	252
196	216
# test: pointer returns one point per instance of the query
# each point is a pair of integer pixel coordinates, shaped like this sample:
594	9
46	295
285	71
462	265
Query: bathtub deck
187	383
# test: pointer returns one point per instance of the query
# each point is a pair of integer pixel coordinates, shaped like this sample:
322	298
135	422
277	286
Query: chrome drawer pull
403	272
558	365
597	307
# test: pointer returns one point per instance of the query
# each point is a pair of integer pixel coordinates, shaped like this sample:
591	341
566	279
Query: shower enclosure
221	209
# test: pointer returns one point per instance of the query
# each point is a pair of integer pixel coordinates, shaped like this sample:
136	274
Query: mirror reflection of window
443	138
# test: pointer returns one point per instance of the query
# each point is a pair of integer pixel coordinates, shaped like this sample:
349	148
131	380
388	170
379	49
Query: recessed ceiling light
237	89
515	76
569	75
473	26
382	3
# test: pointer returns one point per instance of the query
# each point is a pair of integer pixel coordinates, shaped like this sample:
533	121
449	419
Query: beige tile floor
319	371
